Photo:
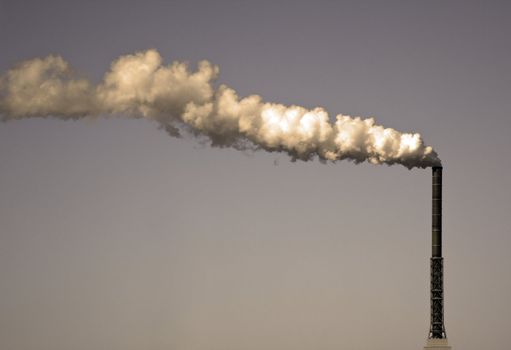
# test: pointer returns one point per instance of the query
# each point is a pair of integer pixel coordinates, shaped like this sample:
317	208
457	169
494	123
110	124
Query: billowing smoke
181	100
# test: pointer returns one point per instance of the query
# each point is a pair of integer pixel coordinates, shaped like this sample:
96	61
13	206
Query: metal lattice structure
437	329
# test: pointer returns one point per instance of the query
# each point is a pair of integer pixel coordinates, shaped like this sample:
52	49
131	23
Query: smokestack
437	337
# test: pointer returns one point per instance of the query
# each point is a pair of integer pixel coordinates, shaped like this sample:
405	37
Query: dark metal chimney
437	330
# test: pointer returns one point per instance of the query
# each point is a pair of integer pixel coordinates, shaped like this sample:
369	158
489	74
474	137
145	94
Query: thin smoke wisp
182	100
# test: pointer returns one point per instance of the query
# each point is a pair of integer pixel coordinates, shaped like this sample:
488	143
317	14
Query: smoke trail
139	85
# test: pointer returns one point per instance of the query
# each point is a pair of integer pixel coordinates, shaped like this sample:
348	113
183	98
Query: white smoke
139	85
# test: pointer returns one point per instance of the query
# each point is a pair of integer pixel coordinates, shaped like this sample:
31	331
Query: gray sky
114	235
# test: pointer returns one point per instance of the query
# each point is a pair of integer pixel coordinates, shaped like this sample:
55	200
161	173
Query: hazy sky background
114	235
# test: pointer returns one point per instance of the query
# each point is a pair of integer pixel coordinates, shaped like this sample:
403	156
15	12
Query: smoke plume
181	100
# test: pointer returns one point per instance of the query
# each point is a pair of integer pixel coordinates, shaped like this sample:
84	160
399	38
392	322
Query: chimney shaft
436	247
437	330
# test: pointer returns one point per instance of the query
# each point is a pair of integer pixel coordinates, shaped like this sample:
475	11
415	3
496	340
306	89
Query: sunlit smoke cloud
181	100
